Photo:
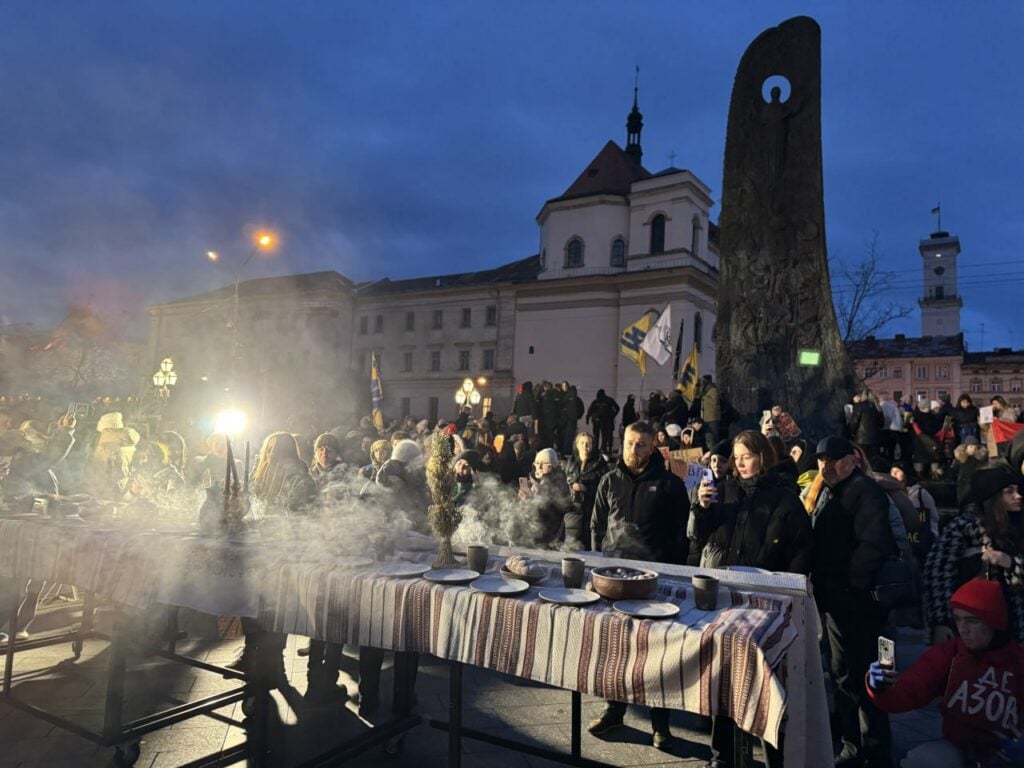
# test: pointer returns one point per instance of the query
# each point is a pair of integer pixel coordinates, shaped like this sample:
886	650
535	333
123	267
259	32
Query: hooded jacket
981	693
766	527
641	515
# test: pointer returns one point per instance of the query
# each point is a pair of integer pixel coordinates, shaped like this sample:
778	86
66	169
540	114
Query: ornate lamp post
467	394
165	378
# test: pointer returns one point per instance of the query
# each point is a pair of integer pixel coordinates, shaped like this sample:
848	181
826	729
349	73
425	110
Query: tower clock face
940	271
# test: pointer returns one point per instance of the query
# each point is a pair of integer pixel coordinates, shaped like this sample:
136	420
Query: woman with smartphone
765	527
986	537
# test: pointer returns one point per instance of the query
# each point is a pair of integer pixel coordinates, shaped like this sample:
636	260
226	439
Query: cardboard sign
985	415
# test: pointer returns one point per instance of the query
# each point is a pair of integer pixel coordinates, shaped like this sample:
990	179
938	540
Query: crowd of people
846	510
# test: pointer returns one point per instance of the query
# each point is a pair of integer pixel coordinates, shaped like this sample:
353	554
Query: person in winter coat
552	415
968	458
925	507
987	536
766	527
979	677
629	414
524	406
655	408
852	540
583	472
549	494
866	423
601	416
573	408
806	462
965	418
640	507
281	479
640	512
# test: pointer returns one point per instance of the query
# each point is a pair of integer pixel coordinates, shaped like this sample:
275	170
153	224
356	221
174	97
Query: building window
618	253
406	407
941	393
897	395
870	371
463	359
695	236
897	373
921	372
975	386
378	324
410	321
407	362
574	253
438	319
698	331
432	410
996	386
922	395
489	360
883	372
658	234
435	360
941	371
364	325
380	361
491	318
467	317
1015	385
362	361
940	292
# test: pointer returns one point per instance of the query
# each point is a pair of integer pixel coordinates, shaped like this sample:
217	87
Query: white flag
658	342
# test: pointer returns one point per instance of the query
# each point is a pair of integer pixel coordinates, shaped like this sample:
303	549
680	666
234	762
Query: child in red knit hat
979	676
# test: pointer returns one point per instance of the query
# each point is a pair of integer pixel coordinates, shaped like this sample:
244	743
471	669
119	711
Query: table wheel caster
76	648
394	747
126	755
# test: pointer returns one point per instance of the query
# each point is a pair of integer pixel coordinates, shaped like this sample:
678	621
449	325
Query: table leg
455	715
114	706
743	749
577	723
15	599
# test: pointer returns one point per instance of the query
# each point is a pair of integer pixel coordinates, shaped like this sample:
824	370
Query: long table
754	659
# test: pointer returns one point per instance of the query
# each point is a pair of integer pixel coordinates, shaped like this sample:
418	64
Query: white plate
647	609
402	570
452	576
496	585
570	596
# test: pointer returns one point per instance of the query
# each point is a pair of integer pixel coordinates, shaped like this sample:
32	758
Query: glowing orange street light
265	240
212	255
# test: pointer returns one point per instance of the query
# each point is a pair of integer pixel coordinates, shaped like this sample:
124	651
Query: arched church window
695	236
658	234
618	253
574	253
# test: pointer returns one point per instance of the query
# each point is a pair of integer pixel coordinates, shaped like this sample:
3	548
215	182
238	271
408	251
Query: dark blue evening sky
413	138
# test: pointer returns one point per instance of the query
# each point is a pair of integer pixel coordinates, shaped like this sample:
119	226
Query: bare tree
859	298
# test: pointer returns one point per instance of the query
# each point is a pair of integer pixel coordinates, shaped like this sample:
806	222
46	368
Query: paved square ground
502	706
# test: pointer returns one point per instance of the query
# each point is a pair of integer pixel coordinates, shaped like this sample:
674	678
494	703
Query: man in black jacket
852	539
601	415
640	512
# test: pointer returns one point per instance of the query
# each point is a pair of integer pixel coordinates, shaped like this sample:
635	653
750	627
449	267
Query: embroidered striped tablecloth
720	662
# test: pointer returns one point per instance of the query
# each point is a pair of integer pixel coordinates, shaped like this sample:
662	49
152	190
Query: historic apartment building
619	241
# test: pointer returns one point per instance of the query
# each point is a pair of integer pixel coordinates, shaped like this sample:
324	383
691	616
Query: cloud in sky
418	138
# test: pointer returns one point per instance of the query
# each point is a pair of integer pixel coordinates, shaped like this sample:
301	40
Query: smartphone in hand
709	476
886	652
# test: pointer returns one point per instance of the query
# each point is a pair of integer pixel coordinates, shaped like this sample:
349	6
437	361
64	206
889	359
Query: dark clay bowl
610	584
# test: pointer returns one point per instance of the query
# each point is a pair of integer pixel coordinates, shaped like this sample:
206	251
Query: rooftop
907	346
265	286
520	271
611	172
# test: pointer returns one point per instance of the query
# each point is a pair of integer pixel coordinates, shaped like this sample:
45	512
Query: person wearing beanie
979	677
988	535
548	493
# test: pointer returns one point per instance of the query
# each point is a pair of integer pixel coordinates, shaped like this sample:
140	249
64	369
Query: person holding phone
978	677
765	527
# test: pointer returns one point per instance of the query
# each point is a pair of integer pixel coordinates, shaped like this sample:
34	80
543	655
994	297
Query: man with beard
640	513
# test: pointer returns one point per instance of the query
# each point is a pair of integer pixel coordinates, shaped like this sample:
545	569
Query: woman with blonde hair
583	471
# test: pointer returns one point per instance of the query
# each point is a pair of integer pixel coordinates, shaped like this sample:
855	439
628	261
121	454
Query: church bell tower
940	304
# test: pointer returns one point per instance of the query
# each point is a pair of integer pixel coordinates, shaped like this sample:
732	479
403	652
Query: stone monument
774	296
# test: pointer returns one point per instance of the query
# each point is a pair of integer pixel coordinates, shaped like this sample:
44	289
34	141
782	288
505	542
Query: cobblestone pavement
502	706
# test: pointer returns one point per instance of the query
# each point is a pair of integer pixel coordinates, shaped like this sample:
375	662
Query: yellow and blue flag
688	379
631	341
376	392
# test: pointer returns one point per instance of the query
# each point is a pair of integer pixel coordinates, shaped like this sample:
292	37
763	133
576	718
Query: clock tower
940	304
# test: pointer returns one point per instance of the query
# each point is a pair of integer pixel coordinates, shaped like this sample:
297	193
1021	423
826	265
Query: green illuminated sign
809	357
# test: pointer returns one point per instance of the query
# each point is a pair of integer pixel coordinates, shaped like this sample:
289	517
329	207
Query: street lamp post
467	394
165	378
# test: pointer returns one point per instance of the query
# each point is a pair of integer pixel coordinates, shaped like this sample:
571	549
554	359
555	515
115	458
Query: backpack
895	585
920	533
